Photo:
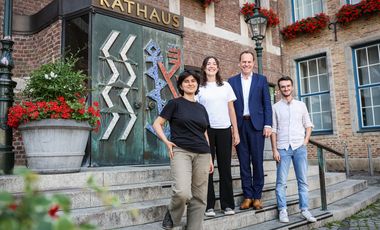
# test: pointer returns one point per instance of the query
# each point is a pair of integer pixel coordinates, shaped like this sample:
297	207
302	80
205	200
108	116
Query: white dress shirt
246	86
289	123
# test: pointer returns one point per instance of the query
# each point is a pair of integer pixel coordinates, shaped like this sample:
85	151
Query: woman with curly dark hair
189	153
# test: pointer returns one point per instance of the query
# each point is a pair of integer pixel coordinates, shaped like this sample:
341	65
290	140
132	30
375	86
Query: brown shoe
257	204
247	203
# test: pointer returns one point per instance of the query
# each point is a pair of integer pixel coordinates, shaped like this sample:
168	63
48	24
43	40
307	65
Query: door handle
137	105
151	105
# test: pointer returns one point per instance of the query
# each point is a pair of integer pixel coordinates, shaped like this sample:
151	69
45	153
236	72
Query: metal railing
322	166
371	169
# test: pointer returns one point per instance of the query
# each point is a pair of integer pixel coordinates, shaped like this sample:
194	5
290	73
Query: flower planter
55	145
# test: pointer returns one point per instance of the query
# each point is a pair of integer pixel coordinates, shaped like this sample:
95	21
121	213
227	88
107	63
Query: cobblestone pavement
368	218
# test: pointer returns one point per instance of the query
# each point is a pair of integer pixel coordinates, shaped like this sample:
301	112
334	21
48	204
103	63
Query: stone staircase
145	192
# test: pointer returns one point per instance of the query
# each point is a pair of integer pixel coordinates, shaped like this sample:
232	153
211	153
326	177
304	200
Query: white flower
47	77
53	75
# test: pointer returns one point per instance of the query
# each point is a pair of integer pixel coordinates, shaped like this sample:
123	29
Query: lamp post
257	23
6	91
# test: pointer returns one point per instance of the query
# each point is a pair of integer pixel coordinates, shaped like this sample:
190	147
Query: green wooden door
129	62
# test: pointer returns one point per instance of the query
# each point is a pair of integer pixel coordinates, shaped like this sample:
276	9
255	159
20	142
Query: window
353	2
314	90
367	78
306	8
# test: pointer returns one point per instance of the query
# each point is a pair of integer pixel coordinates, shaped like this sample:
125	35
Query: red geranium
273	19
349	13
58	109
305	26
53	211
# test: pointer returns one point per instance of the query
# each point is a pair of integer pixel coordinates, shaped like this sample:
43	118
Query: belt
247	117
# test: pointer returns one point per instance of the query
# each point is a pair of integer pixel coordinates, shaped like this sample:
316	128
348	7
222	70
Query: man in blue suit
254	117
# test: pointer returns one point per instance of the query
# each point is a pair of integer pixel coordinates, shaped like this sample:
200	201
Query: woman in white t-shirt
217	97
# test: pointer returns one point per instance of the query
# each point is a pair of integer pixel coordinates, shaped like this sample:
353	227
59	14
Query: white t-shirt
215	99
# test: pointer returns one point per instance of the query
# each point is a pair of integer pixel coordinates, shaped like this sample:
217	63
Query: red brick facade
221	31
339	53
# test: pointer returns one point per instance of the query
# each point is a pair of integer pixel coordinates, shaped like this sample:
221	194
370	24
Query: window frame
350	2
294	13
303	95
364	86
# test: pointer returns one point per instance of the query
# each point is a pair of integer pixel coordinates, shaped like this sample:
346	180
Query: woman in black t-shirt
189	153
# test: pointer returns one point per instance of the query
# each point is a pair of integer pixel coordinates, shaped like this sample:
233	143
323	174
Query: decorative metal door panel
127	65
163	59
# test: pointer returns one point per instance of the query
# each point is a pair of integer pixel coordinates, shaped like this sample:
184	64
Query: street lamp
6	91
257	23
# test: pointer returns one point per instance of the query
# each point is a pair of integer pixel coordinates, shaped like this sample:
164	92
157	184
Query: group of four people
212	115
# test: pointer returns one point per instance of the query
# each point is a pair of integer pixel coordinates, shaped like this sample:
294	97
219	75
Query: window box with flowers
55	122
308	25
272	17
365	8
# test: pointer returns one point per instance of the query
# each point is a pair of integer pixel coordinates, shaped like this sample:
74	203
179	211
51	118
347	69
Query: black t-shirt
188	123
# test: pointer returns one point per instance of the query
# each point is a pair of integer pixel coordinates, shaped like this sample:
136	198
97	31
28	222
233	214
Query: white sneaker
229	211
283	216
210	212
308	216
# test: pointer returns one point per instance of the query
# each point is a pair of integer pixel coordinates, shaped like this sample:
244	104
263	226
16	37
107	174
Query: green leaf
6	198
63	223
9	224
63	202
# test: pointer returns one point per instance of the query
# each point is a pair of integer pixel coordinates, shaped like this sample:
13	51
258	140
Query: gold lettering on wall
130	5
141	11
117	3
165	21
102	2
154	15
176	21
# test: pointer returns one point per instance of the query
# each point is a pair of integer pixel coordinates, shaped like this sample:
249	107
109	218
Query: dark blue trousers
250	151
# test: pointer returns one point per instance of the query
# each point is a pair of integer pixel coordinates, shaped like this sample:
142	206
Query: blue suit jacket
260	108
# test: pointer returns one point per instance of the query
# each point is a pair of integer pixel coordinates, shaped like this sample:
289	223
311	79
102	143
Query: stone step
337	211
84	198
159	190
115	176
269	177
141	213
105	176
295	221
270	193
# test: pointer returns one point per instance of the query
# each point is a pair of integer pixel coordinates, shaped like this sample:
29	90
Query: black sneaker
167	223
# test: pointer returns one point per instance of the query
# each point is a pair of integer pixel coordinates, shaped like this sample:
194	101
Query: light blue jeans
299	158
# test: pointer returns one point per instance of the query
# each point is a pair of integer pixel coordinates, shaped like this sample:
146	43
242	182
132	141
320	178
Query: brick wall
198	45
29	52
342	87
227	15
